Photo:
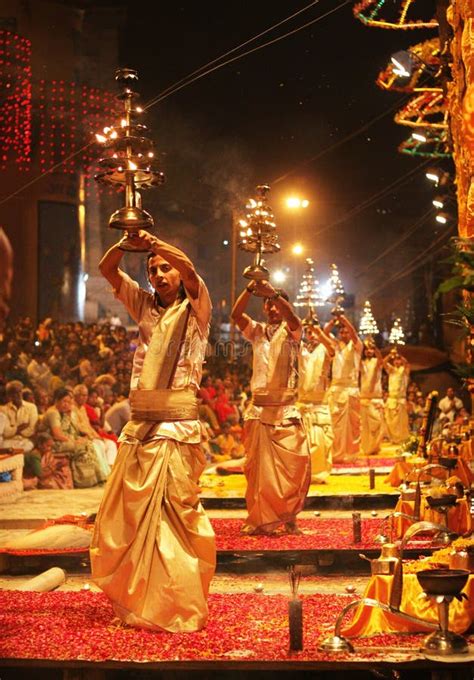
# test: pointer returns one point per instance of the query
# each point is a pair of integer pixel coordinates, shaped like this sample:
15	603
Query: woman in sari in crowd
45	469
87	469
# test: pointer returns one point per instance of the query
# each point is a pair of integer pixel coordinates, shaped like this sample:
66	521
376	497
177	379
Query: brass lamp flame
129	162
259	234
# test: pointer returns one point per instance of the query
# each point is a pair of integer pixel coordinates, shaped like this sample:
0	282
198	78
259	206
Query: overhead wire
180	84
372	199
409	268
406	234
342	141
160	97
238	47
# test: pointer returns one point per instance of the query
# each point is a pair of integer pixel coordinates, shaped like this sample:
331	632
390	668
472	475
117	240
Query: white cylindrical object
48	580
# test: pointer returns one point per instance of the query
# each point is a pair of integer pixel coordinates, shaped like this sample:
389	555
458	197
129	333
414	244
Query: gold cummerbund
311	397
163	405
274	397
343	383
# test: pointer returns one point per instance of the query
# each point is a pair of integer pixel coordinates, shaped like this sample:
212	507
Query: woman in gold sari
153	550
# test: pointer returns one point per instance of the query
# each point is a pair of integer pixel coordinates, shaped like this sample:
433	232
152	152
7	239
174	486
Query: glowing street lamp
297	249
442	218
279	276
418	136
295	202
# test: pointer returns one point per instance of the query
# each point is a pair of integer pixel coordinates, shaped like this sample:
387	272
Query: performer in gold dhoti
344	393
277	464
313	382
371	402
153	550
396	412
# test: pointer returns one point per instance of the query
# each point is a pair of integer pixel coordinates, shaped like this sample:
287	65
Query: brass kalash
129	162
258	234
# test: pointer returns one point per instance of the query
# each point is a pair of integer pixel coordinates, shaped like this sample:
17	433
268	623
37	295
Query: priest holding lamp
277	465
153	550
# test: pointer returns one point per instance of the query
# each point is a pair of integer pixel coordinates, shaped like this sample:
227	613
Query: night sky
264	117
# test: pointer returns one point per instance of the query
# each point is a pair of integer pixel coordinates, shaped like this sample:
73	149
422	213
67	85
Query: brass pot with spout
384	565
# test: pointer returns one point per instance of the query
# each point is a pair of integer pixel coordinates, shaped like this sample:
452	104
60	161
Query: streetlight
295	202
279	276
297	249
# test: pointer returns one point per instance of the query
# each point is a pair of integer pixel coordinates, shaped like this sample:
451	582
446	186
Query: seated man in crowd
118	415
450	405
19	421
39	372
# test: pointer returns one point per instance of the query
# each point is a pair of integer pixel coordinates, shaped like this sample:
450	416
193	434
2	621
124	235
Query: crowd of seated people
64	401
58	384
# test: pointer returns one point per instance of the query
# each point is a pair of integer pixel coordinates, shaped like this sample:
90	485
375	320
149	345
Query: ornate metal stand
258	234
129	163
442	586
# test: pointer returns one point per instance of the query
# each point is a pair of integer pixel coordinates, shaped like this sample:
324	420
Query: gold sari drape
278	474
371	425
153	549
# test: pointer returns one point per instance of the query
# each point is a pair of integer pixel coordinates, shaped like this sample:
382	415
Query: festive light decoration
309	294
434	144
15	103
397	336
427	110
69	115
258	233
129	162
367	325
396	14
423	66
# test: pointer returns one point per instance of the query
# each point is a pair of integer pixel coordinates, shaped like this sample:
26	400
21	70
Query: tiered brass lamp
129	162
258	233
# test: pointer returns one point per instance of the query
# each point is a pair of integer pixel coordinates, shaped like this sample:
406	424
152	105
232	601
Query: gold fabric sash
279	360
156	405
280	397
311	397
162	355
343	382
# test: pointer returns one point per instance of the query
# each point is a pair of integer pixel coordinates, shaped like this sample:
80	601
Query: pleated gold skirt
277	469
153	550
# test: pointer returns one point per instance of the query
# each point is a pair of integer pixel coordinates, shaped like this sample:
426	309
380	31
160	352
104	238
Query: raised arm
266	290
238	312
109	266
350	329
325	340
175	257
329	326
